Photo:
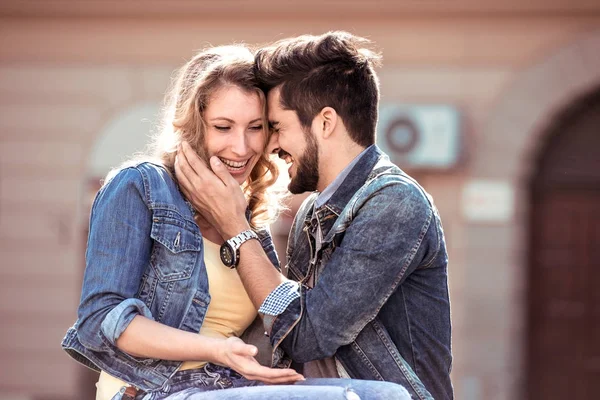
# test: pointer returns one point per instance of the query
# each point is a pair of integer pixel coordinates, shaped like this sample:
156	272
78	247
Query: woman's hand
239	356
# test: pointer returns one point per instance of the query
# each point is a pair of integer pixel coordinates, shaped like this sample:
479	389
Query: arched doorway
564	268
517	124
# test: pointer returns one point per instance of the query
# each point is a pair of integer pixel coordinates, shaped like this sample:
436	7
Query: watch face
227	255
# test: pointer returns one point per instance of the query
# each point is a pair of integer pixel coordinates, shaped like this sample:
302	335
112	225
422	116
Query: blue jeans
330	389
220	383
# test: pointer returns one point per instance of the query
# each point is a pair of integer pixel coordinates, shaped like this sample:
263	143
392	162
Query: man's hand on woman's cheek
217	196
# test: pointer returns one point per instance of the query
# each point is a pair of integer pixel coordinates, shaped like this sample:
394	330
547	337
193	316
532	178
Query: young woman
160	314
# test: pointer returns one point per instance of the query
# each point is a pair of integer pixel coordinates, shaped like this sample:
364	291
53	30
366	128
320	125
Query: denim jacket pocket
176	249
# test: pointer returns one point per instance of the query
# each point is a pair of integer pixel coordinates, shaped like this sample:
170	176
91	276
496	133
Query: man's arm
373	258
222	203
389	237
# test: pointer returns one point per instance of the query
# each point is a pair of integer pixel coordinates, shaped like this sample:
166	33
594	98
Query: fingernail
216	161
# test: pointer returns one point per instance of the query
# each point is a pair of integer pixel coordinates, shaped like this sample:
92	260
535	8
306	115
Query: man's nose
273	145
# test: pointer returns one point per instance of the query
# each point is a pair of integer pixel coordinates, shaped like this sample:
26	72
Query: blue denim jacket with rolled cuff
380	302
144	257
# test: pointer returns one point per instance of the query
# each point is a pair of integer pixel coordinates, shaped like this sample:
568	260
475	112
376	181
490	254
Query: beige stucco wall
63	80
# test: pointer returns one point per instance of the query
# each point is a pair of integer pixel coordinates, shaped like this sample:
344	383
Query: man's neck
334	162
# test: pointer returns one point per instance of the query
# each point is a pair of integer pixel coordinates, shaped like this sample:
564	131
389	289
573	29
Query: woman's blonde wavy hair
182	120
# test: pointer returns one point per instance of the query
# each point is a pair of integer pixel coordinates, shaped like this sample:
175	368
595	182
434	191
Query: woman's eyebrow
222	119
232	121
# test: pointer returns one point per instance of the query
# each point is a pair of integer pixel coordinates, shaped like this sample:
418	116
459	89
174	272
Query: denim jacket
144	257
380	301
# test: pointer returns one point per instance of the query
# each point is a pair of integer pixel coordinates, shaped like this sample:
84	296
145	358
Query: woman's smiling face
235	130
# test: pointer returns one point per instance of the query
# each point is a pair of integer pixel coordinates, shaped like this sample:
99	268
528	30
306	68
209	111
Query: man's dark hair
332	70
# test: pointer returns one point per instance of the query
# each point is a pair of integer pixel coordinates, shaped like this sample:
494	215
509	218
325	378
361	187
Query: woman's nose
239	144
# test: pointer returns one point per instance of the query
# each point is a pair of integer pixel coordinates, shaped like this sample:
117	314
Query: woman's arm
118	252
147	338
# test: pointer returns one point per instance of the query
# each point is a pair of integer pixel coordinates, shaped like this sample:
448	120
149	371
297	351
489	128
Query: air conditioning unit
420	136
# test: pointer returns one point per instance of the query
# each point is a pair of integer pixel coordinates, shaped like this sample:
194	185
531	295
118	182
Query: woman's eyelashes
224	128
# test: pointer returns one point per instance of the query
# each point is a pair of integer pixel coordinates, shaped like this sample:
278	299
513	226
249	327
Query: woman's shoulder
151	178
153	170
143	172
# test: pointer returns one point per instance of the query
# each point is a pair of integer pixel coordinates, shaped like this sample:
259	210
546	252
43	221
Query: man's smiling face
297	146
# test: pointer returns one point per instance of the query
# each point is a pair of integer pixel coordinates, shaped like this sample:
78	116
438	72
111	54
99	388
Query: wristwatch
230	250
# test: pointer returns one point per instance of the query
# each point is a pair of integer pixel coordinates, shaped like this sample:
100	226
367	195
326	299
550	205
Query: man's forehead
274	107
273	97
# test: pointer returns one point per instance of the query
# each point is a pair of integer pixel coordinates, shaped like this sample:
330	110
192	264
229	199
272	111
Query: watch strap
236	241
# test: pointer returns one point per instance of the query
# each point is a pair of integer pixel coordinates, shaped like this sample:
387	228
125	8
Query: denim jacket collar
328	213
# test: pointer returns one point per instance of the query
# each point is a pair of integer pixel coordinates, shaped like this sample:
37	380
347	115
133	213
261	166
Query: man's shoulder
387	179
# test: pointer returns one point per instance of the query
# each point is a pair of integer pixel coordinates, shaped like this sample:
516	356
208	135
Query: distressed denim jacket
380	301
144	257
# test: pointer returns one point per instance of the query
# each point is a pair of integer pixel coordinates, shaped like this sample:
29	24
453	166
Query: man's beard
307	170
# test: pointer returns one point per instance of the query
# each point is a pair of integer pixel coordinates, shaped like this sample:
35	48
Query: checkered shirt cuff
280	298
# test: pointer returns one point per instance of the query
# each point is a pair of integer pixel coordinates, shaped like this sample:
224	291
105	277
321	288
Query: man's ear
328	120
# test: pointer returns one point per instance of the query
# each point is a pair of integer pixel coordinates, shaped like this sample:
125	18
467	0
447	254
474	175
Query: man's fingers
195	168
192	159
221	171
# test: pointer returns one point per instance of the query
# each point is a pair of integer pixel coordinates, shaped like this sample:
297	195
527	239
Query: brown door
564	277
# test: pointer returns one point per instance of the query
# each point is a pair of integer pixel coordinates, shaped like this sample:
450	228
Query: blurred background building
493	106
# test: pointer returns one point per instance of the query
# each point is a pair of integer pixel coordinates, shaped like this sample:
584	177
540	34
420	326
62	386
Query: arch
515	131
564	236
569	158
532	100
126	133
